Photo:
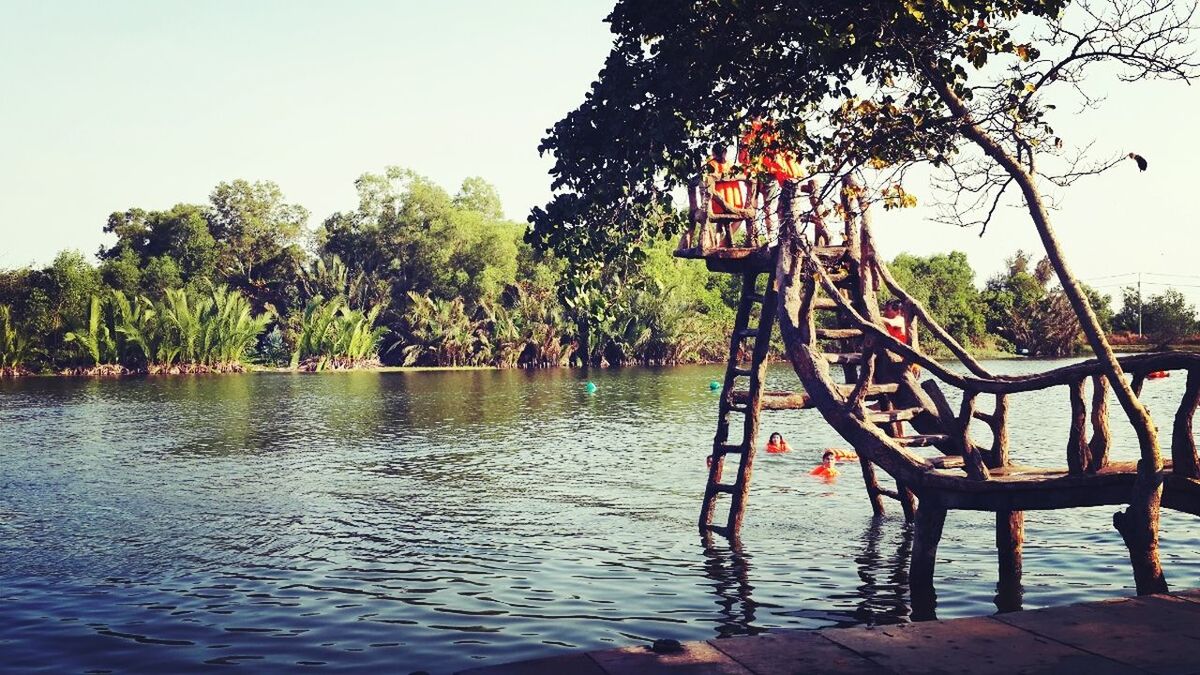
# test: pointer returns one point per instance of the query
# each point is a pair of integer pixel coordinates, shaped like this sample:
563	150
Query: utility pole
1139	304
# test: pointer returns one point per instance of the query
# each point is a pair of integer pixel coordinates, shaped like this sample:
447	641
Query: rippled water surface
438	521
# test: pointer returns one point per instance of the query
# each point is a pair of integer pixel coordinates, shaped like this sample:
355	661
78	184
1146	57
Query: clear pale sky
107	106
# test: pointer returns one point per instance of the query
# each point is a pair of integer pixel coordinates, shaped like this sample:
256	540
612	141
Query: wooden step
922	441
947	462
887	416
722	449
777	400
755	297
741	372
849	359
838	333
825	303
745	333
872	389
723	487
829	253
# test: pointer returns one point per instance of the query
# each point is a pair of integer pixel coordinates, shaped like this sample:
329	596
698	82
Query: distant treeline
416	276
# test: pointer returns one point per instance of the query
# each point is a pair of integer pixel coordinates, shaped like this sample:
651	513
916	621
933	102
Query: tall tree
259	238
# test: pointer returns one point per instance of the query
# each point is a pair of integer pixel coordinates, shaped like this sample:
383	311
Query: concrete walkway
1149	634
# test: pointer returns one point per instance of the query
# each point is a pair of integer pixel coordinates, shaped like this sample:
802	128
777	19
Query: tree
945	284
1024	307
861	87
1168	316
161	249
410	236
258	234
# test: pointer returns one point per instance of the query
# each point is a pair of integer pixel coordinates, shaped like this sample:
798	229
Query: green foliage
945	285
16	350
332	335
1168	317
440	332
185	331
1025	308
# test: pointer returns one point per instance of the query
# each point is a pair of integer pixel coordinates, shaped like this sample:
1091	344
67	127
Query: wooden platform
746	260
1148	634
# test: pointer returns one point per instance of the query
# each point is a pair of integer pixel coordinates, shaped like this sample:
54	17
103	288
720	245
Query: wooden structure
824	298
1095	637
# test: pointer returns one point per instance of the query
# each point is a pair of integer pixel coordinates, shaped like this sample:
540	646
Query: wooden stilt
872	485
928	533
1010	540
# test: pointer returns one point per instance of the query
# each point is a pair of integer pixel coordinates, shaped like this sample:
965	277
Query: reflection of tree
884	578
728	565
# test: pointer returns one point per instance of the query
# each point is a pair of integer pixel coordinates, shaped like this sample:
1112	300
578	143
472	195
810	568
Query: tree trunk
1138	524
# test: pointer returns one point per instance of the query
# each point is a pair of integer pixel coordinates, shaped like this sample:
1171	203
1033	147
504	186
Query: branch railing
1084	455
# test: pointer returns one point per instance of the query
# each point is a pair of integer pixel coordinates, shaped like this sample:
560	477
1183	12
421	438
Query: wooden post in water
931	517
1010	544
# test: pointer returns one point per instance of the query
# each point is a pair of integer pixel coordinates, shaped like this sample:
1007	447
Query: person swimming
828	468
776	444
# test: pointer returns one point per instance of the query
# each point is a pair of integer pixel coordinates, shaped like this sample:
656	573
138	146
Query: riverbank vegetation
415	276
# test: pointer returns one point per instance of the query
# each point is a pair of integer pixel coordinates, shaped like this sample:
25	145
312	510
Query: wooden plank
978	646
796	652
900	415
777	400
838	333
700	658
554	665
1159	634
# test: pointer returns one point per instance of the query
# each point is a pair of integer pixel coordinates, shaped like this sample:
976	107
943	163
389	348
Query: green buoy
714	385
591	387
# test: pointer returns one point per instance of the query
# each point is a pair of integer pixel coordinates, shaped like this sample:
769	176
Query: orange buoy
1157	374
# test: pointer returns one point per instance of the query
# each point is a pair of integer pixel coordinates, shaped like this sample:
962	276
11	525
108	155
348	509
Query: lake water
401	521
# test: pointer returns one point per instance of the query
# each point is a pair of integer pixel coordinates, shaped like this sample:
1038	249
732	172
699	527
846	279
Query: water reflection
884	574
439	521
726	563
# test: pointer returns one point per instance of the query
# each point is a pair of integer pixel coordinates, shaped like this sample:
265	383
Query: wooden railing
1083	455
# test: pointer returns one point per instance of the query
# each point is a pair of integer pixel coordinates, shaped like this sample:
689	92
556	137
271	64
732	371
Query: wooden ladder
747	402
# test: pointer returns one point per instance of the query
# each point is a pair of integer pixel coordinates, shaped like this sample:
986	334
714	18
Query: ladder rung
830	252
745	333
723	487
947	462
872	389
825	303
755	297
838	333
721	449
885	416
922	441
850	358
741	372
739	407
777	400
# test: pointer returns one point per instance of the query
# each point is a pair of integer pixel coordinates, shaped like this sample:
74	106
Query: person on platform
758	154
729	188
897	321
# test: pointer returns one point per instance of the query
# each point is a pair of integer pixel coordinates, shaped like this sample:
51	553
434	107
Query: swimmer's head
776	438
827	459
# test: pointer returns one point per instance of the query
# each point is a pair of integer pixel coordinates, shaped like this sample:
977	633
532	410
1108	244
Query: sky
108	106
